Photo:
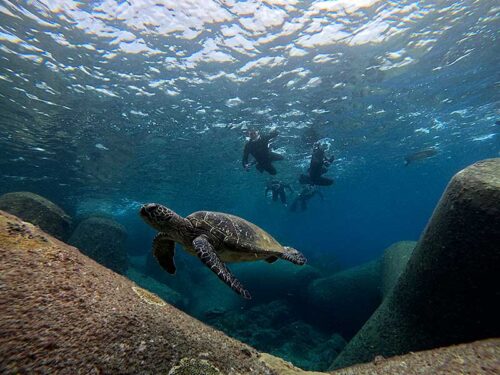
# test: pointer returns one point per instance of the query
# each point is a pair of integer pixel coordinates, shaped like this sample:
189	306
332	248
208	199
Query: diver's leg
269	168
323	181
283	197
259	167
274	156
275	196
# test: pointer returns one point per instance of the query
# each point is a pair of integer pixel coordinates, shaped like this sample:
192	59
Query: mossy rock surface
194	366
394	262
102	239
63	312
38	211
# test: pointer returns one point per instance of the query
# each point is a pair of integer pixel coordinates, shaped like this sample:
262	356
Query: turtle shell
222	225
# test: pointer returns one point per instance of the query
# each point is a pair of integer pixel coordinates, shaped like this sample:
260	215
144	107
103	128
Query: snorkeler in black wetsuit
278	190
319	166
307	193
258	147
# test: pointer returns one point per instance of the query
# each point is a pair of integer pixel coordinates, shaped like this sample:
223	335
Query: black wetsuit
306	194
278	190
264	157
318	167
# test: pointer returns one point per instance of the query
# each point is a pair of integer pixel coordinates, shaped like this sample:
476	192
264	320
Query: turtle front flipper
209	257
164	250
293	256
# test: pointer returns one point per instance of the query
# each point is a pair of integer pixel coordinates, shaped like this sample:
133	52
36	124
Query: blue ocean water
106	105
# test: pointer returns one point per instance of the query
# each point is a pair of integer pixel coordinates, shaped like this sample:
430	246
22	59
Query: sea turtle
215	238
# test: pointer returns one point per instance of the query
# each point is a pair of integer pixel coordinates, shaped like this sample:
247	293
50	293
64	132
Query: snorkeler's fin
164	250
209	257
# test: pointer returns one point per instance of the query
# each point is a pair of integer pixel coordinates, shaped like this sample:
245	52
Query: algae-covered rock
477	358
38	211
448	293
61	312
194	366
394	262
344	301
102	239
166	293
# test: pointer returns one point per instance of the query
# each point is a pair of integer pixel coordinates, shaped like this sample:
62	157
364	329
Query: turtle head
161	218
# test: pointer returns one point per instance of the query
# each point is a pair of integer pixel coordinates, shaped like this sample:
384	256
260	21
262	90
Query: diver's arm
272	134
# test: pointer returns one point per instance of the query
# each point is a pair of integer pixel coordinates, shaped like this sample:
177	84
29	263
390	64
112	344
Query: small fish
100	146
420	155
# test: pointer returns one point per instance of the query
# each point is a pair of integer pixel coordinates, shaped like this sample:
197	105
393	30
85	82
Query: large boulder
163	291
38	211
394	262
102	239
448	292
480	357
64	313
344	301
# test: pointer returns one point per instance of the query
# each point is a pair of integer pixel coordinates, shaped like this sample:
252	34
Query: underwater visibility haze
108	105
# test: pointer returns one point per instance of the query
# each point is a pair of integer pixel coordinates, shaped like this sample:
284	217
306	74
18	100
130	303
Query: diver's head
253	134
319	146
159	217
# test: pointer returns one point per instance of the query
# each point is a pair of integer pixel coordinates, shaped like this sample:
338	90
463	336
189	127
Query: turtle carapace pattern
215	238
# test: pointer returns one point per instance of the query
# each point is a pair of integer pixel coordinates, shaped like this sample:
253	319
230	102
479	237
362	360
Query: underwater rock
480	357
447	292
102	239
344	301
61	310
394	262
38	211
194	366
276	328
163	291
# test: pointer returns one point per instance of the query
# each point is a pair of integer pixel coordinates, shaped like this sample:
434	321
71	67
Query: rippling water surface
105	104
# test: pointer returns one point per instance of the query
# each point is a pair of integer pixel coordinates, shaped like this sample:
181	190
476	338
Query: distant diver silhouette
307	193
277	188
318	166
258	147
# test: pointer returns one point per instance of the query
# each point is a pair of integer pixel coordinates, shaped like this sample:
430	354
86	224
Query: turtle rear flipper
209	257
293	256
164	250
